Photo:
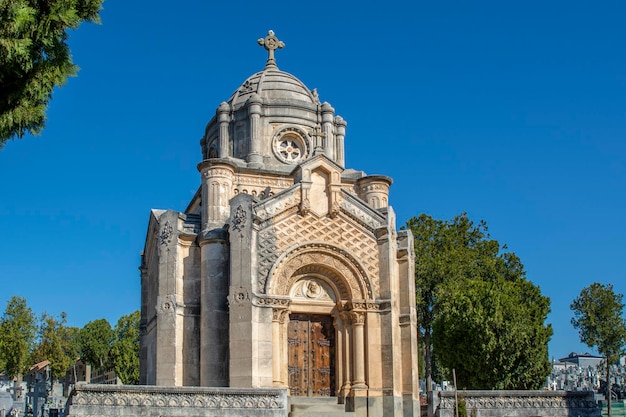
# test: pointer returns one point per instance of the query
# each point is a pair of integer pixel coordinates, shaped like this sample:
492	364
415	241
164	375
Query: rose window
289	148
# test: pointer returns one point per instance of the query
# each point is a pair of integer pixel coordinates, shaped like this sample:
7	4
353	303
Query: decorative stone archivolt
317	258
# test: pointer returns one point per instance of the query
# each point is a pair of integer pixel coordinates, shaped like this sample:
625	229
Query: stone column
347	357
223	118
277	344
217	188
340	129
285	348
337	323
374	190
328	114
358	323
255	159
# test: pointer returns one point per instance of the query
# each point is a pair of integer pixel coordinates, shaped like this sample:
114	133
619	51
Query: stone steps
316	406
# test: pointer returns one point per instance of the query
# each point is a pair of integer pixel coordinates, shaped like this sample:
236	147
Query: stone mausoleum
286	269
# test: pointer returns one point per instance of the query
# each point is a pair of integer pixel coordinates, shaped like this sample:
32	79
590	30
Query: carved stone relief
312	289
167	231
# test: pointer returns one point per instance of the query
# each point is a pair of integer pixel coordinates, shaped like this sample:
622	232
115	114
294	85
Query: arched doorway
318	322
311	353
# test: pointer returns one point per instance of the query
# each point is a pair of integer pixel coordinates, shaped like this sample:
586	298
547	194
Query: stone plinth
520	403
154	401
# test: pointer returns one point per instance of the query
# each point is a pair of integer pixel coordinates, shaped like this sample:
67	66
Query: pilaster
255	159
215	259
340	134
223	118
217	186
328	114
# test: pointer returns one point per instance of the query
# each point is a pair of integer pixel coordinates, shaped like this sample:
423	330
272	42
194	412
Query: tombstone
6	403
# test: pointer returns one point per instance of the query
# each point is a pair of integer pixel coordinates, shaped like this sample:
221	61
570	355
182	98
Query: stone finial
271	43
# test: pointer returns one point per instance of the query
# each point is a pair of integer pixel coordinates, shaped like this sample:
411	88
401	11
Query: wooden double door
311	350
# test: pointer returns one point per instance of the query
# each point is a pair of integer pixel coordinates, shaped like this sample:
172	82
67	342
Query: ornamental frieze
153	397
553	403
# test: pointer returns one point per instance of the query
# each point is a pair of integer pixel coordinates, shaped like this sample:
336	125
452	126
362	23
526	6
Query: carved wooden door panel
311	355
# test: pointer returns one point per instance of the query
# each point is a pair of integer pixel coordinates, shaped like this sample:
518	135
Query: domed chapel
286	269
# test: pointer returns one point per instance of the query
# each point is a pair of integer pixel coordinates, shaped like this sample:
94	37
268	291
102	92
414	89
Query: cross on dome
271	43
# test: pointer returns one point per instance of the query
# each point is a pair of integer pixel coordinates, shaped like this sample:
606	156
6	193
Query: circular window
289	146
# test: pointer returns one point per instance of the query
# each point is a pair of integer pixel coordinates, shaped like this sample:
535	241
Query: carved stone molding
239	218
271	302
305	207
555	403
166	234
357	318
166	305
267	211
280	315
218	172
238	296
155	401
312	289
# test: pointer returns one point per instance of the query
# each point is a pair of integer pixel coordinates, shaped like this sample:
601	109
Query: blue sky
514	112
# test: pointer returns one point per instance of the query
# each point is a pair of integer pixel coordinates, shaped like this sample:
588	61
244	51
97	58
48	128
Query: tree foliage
492	333
462	276
18	329
125	351
95	341
57	344
35	58
598	317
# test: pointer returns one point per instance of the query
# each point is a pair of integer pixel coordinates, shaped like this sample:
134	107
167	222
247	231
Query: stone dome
273	85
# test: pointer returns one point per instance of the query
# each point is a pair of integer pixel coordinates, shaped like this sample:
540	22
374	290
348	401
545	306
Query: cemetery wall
520	403
90	400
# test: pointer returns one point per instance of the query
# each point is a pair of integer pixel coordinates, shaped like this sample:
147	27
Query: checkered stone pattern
342	232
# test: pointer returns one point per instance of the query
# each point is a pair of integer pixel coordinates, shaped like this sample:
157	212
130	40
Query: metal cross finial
271	43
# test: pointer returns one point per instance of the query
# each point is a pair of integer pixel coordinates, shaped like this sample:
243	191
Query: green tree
56	344
492	332
442	252
95	341
125	352
18	329
456	252
598	317
35	58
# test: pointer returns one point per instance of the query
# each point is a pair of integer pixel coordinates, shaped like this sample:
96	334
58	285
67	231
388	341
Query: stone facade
286	269
520	403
